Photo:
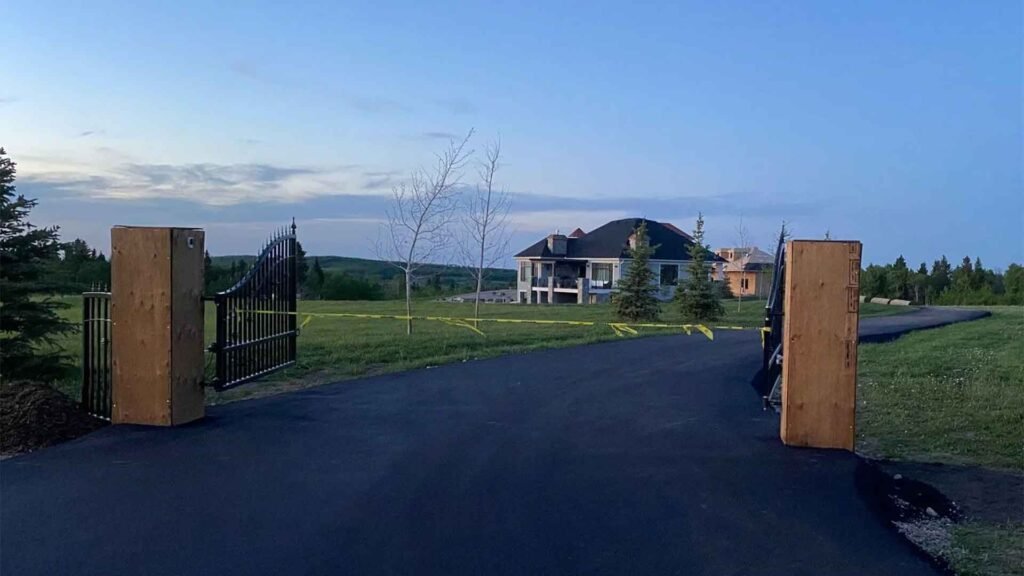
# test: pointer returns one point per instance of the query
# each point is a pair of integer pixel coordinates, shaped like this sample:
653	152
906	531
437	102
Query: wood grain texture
187	354
819	369
141	315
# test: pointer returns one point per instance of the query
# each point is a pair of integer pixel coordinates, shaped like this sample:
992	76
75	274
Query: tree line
75	267
969	283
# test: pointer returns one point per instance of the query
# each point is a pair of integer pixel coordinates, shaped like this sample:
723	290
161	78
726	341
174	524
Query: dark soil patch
919	512
34	415
983	494
899	498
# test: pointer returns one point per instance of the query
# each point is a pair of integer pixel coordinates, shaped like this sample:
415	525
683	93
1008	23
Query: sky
898	124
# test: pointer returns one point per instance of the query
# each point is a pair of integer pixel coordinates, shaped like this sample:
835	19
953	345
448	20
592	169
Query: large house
749	271
584	266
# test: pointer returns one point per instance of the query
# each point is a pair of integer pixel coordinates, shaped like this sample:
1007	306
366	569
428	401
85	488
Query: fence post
819	367
293	289
157	314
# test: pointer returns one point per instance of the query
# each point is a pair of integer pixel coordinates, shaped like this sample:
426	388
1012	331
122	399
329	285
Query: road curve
641	456
886	328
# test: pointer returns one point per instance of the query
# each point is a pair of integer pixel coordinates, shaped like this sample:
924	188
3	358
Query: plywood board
141	315
819	370
187	354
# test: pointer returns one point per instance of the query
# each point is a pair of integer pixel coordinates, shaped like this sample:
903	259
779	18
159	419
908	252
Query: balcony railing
557	282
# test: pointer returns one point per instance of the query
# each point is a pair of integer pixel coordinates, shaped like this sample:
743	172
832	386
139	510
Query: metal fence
256	322
773	320
97	368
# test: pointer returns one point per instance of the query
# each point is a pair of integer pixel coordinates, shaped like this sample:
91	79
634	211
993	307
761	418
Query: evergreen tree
978	276
899	279
697	297
634	297
725	290
963	277
29	325
919	280
940	277
1013	282
316	281
301	266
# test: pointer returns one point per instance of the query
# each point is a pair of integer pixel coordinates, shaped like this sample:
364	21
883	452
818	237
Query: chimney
557	244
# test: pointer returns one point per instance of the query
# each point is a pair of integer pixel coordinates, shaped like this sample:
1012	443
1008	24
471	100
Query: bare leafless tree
743	242
418	226
483	237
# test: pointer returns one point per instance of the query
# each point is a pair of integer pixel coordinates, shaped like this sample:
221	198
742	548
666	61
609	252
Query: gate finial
293	224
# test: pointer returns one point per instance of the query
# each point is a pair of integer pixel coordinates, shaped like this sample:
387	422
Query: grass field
339	348
953	395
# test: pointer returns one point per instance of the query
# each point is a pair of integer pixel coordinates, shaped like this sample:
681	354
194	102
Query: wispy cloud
254	70
7	100
545	221
455	105
437	135
211	184
87	133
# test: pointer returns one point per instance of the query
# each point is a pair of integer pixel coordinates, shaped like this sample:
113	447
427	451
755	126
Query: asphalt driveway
640	456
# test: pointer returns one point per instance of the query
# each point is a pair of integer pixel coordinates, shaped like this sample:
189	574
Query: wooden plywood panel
141	315
187	355
819	370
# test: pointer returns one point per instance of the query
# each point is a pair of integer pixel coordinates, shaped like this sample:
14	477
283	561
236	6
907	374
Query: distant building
583	267
490	296
748	271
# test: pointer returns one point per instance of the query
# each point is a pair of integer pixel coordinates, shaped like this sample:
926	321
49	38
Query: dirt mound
34	415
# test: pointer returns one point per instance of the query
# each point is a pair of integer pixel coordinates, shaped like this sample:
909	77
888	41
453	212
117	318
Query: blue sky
895	123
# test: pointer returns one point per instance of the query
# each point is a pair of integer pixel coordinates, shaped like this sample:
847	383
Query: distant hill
383	273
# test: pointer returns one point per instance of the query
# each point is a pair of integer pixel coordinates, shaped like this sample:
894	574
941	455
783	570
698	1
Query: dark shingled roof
612	241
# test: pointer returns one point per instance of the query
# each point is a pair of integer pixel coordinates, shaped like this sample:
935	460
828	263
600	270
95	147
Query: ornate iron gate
773	320
96	357
256	322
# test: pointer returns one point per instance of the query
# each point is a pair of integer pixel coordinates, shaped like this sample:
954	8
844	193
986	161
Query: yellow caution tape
620	328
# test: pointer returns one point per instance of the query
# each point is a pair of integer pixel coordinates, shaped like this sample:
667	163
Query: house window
601	275
524	271
669	274
744	284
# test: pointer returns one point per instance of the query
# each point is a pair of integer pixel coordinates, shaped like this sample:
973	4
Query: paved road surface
641	456
886	328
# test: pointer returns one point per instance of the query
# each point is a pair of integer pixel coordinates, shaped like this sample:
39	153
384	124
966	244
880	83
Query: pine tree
939	279
634	298
317	280
29	325
899	279
301	265
920	282
697	296
725	290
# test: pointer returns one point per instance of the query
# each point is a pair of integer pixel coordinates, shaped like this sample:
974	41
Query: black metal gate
256	322
96	357
773	320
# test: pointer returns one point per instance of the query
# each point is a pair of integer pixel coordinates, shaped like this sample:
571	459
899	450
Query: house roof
612	241
577	233
675	229
753	259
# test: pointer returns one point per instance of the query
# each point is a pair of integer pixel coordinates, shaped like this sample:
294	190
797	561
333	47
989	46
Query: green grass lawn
339	348
953	395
